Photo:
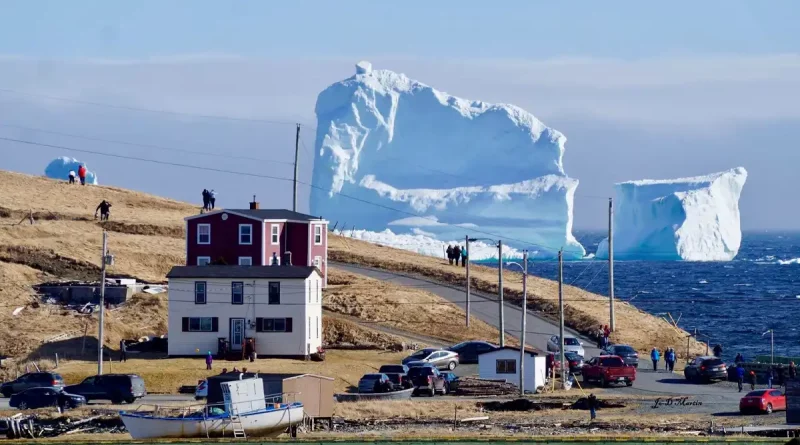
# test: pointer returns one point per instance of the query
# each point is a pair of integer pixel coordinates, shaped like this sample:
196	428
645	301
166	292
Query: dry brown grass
583	311
337	331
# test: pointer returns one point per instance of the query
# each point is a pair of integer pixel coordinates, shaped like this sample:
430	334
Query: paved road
648	383
154	399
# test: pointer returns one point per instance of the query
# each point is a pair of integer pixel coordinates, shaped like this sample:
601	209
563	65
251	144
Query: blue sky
641	90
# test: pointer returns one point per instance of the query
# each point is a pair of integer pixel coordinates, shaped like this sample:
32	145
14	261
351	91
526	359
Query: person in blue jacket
655	356
669	358
740	375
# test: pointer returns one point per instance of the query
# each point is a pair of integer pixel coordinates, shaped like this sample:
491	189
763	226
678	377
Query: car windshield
371	377
758	393
392	368
713	362
624	350
423	353
570	341
459	346
572	356
611	362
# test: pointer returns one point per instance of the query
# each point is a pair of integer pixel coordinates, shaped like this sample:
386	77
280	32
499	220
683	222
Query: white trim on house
317	226
248	258
209	234
263	243
317	262
240	234
207	258
272	235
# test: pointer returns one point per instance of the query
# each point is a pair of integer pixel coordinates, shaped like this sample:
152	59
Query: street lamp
524	268
499	283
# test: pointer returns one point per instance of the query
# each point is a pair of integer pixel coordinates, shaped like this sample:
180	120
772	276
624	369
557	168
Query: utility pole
500	292
612	324
103	262
467	266
564	369
524	323
296	153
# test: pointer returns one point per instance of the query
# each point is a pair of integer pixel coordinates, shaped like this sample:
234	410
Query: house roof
218	271
265	215
529	350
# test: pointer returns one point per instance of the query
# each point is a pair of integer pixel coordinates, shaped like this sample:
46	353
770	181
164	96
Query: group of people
81	175
775	374
602	334
669	358
456	253
209	199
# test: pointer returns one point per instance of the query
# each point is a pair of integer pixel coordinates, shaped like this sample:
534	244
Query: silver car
571	344
439	358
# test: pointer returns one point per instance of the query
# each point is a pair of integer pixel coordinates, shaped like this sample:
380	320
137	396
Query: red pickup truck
608	369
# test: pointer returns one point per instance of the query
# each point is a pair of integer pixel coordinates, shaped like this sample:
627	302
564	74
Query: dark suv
117	388
706	369
398	374
628	354
428	380
32	380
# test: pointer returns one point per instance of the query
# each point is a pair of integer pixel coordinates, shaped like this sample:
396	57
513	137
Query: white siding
294	305
534	368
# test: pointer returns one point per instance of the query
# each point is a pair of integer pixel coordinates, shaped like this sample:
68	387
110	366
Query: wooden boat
244	413
404	394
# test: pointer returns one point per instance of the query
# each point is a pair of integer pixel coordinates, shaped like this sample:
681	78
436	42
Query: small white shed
503	364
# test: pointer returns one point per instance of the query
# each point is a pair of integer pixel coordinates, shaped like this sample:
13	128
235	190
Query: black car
32	380
427	380
628	354
468	351
117	388
45	397
706	369
575	362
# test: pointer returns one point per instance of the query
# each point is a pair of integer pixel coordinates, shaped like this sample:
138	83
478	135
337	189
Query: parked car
201	392
440	358
417	364
376	382
32	380
763	401
468	351
571	344
45	397
117	388
627	353
574	361
451	381
428	380
608	369
398	374
706	369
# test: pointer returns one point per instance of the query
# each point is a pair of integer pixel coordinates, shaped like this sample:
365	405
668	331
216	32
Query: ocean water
731	303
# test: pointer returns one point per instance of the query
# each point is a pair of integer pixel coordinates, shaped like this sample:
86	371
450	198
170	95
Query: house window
274	292
199	292
317	235
275	234
245	234
203	260
318	262
245	261
273	325
237	292
204	234
506	367
200	324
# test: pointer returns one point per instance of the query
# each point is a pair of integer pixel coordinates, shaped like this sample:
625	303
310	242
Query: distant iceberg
693	219
59	168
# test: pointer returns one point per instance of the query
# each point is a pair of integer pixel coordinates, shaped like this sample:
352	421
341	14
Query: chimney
287	258
254	204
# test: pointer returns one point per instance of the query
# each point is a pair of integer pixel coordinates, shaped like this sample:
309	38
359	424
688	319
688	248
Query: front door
237	333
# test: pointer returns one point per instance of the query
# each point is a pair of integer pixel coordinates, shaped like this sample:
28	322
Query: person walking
123	351
770	376
212	199
450	254
606	334
752	380
209	361
600	337
669	357
457	254
718	350
464	257
592	400
72	176
206	200
779	375
82	174
740	376
655	356
792	371
105	209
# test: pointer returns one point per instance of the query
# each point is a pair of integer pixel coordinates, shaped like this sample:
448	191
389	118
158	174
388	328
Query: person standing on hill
105	209
449	252
592	401
82	174
212	199
655	356
464	257
72	176
457	253
206	199
123	351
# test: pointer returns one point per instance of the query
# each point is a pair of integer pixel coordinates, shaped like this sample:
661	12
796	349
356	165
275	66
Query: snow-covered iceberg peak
401	144
694	219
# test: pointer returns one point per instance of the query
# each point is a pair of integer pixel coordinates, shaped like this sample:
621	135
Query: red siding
297	243
224	239
319	250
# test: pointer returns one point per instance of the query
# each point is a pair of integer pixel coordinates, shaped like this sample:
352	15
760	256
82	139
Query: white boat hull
270	423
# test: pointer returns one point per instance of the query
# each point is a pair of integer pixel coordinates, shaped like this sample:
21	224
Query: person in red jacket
82	174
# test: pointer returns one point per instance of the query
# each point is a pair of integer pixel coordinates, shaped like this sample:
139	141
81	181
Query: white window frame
209	234
317	227
318	262
201	258
275	234
248	258
240	235
200	322
204	292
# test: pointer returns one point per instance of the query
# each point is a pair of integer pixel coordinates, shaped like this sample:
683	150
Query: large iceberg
693	219
59	168
394	151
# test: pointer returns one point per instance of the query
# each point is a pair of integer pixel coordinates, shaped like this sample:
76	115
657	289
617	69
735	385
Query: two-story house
280	307
257	236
